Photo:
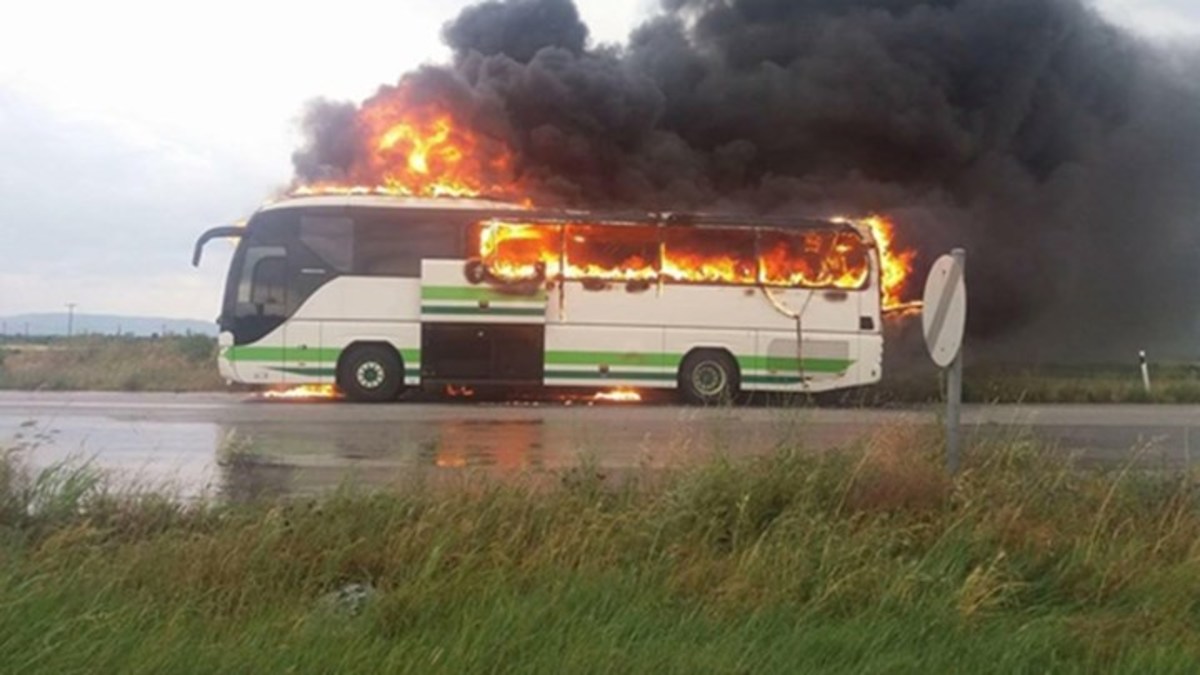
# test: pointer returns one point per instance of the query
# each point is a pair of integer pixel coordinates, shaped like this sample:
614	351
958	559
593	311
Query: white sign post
944	321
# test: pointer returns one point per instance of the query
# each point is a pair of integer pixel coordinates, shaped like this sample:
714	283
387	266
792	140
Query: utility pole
70	319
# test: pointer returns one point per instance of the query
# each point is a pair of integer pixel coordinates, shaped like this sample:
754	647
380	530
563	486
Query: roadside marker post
1145	371
944	322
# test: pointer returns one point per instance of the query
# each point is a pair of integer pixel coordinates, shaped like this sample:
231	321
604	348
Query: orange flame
618	396
411	147
897	265
515	251
304	392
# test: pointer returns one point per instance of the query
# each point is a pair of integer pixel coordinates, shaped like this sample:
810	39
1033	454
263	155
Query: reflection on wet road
239	447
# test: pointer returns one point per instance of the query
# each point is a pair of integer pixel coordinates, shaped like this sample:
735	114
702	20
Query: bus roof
397	202
508	211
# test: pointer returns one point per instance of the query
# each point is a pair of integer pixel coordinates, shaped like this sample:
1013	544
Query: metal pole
954	382
70	318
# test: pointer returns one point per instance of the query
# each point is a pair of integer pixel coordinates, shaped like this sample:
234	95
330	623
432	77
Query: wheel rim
370	375
710	379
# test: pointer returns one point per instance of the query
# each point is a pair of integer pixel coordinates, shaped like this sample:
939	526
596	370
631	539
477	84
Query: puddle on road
177	458
301	450
288	457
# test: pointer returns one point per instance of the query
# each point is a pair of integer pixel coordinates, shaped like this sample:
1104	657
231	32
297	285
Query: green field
1014	383
98	363
869	560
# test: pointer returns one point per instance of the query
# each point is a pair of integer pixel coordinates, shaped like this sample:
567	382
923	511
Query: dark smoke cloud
519	30
1061	151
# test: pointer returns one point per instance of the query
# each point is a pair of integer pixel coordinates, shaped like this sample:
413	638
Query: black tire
709	377
371	373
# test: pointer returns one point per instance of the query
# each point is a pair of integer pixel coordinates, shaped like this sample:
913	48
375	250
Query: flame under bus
378	294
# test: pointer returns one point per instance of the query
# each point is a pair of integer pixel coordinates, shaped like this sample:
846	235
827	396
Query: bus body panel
261	362
303	358
585	355
593	337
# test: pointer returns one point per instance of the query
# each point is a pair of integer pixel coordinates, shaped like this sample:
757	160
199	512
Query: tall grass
870	560
1091	384
176	363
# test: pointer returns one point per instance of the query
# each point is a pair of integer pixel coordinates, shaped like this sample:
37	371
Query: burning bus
376	294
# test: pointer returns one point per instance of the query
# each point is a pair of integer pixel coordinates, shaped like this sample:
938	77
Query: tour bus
379	294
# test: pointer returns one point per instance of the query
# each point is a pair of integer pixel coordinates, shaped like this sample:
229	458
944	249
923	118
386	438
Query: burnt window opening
813	259
710	255
513	251
612	253
643	254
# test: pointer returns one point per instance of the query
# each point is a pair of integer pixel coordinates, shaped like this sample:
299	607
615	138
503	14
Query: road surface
238	446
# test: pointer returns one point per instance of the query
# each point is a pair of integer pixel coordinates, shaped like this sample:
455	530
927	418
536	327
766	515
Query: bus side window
331	238
391	248
710	255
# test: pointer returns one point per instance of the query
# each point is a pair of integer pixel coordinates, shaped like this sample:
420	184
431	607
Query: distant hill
105	324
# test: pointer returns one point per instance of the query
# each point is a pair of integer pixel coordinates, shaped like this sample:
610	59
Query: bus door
477	332
320	251
256	308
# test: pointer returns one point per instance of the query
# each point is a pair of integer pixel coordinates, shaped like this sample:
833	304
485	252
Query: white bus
379	294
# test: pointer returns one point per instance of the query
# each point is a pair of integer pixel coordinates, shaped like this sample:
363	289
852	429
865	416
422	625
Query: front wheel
371	373
709	377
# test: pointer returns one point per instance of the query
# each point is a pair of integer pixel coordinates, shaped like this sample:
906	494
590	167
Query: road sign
945	314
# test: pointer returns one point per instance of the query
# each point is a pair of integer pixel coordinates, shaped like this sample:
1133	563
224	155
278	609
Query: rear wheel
708	377
371	373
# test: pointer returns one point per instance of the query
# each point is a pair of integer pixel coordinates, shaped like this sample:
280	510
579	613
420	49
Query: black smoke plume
1061	151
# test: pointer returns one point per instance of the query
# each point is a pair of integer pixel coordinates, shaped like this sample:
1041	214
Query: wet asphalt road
238	445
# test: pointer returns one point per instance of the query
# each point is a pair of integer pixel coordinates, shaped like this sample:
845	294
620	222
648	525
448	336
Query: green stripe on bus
476	311
785	364
309	372
478	293
331	372
282	354
772	379
747	363
565	358
579	375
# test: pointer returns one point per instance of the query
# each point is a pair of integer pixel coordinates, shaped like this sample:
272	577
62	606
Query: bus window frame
562	275
565	258
255	255
867	247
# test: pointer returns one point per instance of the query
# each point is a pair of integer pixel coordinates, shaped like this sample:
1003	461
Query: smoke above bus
1061	151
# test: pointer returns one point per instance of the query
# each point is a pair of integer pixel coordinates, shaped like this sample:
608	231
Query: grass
1085	384
868	560
174	363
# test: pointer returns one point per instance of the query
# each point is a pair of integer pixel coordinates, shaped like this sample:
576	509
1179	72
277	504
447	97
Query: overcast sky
128	127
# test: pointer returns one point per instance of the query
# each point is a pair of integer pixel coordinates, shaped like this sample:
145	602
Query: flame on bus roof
414	147
421	148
